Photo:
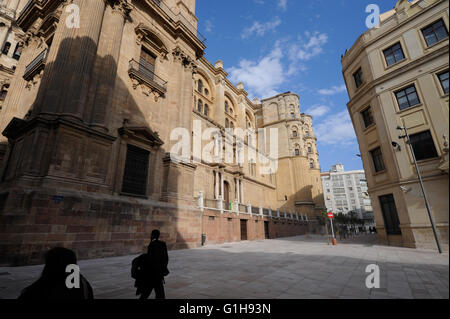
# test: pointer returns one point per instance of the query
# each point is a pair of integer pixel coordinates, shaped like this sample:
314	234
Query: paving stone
289	268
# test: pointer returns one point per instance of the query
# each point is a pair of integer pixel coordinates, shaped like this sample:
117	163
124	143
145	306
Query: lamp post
433	225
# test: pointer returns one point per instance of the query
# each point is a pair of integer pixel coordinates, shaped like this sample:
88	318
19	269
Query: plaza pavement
289	268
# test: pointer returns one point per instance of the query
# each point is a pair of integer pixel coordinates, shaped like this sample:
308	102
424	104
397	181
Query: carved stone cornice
180	56
121	7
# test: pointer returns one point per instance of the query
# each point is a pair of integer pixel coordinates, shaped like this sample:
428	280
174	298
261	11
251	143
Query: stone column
216	185
238	190
13	4
241	187
3	36
106	64
70	62
222	186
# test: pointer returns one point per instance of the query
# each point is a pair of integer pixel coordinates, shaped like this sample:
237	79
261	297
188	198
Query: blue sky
274	46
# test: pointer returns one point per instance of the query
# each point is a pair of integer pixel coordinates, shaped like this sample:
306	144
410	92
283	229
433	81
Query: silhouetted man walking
156	268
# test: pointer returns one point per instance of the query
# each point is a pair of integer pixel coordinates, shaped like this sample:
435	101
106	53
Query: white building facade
346	192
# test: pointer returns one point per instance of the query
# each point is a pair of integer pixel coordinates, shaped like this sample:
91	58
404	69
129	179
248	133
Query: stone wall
224	228
31	222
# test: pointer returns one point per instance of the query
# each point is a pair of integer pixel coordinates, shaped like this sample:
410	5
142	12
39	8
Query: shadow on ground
290	268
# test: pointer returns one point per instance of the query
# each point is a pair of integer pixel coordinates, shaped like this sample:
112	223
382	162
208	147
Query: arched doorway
226	195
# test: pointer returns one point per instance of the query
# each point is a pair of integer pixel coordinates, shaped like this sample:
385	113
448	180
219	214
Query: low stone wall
33	222
222	228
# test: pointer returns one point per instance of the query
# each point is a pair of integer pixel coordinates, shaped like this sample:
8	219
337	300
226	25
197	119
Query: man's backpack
137	266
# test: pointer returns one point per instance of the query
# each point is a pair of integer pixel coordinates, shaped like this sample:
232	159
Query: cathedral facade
91	121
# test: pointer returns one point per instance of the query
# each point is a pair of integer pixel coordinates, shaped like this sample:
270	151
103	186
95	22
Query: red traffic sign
330	215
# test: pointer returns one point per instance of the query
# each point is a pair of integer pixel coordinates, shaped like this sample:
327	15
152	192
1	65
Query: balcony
180	18
36	65
143	75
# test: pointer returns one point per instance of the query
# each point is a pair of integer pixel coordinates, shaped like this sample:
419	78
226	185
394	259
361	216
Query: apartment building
397	76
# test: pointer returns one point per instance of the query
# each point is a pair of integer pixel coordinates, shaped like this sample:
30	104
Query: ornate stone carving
180	56
121	7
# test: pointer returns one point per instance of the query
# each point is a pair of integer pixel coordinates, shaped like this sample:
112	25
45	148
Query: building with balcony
11	44
397	76
92	127
346	191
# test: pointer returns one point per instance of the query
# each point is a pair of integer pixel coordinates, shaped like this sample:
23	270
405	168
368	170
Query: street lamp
408	142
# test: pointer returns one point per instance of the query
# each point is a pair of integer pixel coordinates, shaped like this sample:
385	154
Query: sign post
331	217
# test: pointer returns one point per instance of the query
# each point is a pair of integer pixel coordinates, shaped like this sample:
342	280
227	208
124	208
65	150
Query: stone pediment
142	134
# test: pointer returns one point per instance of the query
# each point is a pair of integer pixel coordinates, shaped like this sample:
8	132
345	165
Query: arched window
309	148
18	51
294	134
200	106
232	125
227	123
227	107
297	152
6	48
206	110
200	86
3	94
231	111
311	164
206	92
293	115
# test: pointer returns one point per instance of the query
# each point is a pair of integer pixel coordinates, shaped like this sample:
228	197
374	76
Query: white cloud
263	77
308	48
209	26
261	28
317	110
336	129
282	4
333	90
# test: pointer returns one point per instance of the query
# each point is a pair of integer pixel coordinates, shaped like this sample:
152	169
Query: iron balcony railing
36	64
180	18
147	75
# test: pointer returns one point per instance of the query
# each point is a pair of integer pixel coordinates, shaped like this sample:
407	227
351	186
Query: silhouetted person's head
56	262
155	234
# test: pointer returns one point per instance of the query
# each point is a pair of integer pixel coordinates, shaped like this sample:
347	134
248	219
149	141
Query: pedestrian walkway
291	268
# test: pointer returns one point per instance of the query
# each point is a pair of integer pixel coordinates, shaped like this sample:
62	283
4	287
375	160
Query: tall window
297	152
443	78
3	94
200	86
390	215
367	117
227	107
358	77
407	97
394	54
6	48
227	123
18	51
377	158
423	146
309	149
294	134
206	110
200	106
435	32
136	171
311	164
147	63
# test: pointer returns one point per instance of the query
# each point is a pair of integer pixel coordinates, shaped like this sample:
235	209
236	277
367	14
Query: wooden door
226	195
147	62
266	230
243	229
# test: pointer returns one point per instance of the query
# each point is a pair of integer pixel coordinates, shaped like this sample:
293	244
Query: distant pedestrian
52	283
153	268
